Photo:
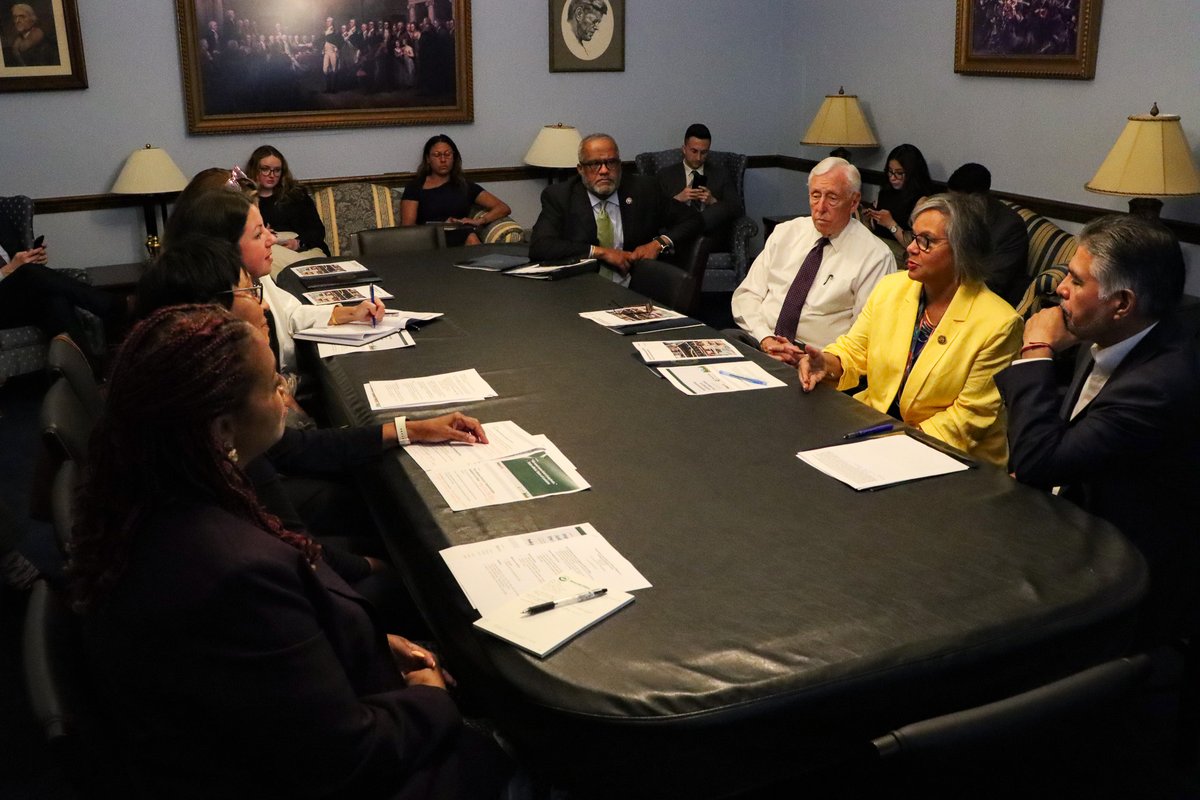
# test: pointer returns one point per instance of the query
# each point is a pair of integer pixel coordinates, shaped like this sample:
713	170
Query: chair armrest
744	229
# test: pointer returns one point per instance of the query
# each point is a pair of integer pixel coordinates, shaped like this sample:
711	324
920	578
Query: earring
231	453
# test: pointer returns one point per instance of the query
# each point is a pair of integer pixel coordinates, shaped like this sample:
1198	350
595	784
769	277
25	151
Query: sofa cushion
347	208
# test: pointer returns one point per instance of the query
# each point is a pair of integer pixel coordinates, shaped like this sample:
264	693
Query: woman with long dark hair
907	182
234	660
441	193
285	205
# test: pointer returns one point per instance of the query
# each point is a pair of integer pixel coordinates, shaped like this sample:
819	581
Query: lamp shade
149	171
555	146
840	122
1150	159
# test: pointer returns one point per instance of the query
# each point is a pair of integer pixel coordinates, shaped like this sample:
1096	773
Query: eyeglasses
270	170
925	243
254	290
894	173
594	166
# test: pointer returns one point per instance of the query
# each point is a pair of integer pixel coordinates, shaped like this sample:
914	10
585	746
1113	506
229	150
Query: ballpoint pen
745	378
566	601
874	429
372	305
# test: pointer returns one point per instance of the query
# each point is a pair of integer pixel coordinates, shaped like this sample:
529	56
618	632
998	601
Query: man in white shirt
1125	441
797	291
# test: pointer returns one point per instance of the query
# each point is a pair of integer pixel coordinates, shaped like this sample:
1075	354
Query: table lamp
840	123
150	172
1151	159
555	147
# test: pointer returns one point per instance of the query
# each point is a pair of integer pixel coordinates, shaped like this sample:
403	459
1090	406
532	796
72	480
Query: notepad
542	634
883	461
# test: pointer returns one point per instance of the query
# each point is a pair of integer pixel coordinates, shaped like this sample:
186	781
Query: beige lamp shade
1150	159
149	171
555	146
840	122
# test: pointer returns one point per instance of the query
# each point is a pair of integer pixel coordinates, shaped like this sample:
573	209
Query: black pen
566	601
874	429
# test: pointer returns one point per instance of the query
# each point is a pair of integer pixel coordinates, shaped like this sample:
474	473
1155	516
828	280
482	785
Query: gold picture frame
275	65
1034	39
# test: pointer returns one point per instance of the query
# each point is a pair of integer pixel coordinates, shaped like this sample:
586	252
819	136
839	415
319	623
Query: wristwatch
892	229
665	244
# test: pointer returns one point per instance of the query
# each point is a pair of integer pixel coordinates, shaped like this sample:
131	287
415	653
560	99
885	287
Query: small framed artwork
270	65
587	35
1028	39
41	46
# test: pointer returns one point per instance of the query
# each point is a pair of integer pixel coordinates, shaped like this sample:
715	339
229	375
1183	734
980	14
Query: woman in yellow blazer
931	341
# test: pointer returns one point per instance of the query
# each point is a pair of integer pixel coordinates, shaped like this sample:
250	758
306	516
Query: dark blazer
230	668
721	214
566	227
325	451
1132	456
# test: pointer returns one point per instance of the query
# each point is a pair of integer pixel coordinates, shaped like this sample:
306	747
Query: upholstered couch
347	208
1050	249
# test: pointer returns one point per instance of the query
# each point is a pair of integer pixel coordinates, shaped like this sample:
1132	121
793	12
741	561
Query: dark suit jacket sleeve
1136	410
646	212
557	233
325	451
728	207
1010	252
308	224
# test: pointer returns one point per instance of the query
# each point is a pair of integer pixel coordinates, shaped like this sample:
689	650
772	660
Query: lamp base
1145	207
153	247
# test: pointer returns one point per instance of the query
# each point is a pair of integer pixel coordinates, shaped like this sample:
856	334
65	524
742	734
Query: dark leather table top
791	618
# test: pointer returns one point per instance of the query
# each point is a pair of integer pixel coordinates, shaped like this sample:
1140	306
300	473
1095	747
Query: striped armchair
1050	249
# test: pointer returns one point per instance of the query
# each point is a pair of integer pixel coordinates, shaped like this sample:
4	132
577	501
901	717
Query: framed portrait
269	65
40	46
587	35
1028	38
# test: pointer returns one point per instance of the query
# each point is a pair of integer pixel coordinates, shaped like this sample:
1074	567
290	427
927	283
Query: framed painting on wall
587	35
268	65
1028	38
41	46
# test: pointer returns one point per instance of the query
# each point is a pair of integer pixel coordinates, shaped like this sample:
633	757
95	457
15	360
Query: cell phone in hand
38	241
699	181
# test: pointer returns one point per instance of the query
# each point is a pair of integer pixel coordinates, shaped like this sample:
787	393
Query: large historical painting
587	35
259	65
40	46
1028	38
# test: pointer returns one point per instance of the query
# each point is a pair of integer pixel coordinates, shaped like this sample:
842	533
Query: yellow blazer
951	392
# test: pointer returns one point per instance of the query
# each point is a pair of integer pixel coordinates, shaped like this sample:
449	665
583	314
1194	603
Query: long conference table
791	619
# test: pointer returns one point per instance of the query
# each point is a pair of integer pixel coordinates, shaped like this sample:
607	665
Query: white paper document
463	386
631	315
333	268
523	476
505	438
883	461
543	633
390	342
668	352
733	376
346	294
493	572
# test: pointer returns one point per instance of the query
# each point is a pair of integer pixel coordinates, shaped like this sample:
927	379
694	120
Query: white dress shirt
290	315
854	261
1105	362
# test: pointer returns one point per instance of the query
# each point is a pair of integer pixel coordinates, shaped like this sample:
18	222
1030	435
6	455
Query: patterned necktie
789	315
604	228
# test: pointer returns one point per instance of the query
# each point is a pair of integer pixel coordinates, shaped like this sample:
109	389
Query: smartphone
38	241
699	181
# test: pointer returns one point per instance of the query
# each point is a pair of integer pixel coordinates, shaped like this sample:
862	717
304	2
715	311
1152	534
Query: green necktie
604	229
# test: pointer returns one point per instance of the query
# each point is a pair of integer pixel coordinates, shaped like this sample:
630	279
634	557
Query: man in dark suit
617	219
1010	238
1125	441
705	187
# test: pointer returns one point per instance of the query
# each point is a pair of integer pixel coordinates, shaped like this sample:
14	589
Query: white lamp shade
555	146
1150	159
840	122
149	171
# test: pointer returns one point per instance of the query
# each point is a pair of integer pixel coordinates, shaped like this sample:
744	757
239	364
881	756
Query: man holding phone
703	186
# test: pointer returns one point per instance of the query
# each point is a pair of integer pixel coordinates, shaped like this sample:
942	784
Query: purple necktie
789	315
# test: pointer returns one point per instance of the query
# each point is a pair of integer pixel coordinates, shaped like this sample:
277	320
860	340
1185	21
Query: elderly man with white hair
30	47
815	273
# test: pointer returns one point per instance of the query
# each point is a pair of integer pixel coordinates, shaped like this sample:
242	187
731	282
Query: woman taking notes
441	193
930	341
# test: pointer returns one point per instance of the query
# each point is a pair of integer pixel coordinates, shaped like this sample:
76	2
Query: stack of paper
513	466
346	294
678	351
334	273
887	460
736	376
548	271
640	319
464	386
354	334
392	341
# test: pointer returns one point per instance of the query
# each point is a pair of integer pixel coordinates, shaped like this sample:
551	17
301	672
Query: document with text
732	376
346	294
505	438
883	461
463	386
390	342
525	476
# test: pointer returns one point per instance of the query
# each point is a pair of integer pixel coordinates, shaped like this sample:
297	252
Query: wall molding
1055	209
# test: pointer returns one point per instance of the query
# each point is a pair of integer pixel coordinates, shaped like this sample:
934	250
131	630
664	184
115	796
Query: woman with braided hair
233	660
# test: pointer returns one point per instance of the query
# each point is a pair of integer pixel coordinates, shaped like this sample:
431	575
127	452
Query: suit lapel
581	209
940	341
1083	367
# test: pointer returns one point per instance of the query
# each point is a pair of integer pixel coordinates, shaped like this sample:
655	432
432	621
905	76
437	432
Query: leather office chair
66	423
62	698
64	358
724	269
390	241
677	287
62	505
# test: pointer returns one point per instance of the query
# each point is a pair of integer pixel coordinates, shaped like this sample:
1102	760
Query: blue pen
745	378
874	429
372	305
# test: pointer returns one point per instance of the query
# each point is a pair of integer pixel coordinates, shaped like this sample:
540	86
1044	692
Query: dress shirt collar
596	201
1109	358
